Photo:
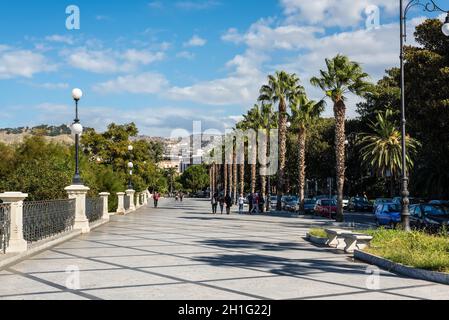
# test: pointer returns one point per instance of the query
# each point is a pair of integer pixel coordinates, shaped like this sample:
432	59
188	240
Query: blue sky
164	64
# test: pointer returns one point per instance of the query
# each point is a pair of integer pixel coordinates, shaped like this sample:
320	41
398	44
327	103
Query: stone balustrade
20	226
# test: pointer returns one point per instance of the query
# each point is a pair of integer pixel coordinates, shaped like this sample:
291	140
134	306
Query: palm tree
304	114
280	89
382	150
341	77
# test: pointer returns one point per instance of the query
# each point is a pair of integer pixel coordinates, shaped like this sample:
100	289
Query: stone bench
336	238
356	241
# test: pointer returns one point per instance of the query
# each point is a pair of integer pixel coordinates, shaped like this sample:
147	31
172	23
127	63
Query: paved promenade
180	251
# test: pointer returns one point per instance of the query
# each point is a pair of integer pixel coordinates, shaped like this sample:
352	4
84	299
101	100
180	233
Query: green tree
280	89
341	77
382	150
195	178
304	114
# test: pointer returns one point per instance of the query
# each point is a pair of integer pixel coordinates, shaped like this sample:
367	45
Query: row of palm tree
341	77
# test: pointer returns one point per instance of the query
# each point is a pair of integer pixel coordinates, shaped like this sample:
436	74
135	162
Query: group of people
255	201
222	201
179	197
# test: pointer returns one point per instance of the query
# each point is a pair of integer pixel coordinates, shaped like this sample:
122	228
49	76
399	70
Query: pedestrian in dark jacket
228	201
222	203
214	202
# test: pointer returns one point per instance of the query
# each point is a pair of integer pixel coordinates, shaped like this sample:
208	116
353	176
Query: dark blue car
388	214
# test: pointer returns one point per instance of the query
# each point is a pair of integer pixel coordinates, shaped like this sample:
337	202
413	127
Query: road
181	251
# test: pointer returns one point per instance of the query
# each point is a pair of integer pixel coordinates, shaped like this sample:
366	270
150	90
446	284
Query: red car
326	208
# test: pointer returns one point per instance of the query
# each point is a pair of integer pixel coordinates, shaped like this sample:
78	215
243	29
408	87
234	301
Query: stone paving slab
180	251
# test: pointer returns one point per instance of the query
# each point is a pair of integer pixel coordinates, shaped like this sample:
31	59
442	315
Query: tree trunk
253	168
340	138
242	178
225	178
282	151
235	180
302	165
211	181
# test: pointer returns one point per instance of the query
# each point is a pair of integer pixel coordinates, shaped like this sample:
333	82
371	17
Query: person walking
222	202
250	203
181	196
156	198
241	204
228	201
214	203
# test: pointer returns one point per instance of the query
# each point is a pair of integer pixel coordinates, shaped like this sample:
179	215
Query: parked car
413	200
309	206
345	201
290	203
431	217
440	202
380	201
326	208
273	202
388	214
360	204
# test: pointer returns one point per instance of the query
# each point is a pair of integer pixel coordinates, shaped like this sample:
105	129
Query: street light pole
429	6
77	130
130	166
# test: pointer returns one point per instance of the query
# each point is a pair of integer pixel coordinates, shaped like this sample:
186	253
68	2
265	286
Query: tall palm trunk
340	137
211	181
253	161
235	181
263	170
225	178
242	178
230	179
282	151
302	165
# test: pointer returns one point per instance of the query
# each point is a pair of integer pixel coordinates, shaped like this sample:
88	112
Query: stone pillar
121	203
132	204
79	192
16	241
105	196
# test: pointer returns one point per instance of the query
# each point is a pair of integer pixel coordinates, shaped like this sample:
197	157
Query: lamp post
429	6
77	130
130	167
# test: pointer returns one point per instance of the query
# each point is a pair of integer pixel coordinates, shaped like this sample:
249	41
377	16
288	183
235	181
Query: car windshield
328	203
436	210
361	200
291	199
393	208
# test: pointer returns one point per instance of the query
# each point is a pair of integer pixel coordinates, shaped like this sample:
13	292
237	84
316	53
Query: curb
316	240
398	268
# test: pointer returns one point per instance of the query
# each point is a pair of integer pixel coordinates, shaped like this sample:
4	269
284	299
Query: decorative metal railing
5	223
127	202
46	219
94	209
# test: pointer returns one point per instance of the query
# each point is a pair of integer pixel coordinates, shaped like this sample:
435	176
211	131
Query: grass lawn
415	249
319	233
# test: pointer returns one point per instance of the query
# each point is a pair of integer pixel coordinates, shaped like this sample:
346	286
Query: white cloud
195	41
61	39
22	63
263	36
329	13
146	83
239	88
197	5
186	55
109	61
